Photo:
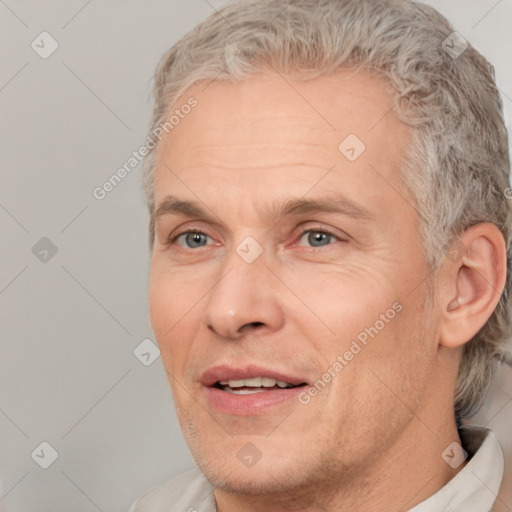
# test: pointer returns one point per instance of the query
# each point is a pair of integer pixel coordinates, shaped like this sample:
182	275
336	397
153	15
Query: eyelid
171	230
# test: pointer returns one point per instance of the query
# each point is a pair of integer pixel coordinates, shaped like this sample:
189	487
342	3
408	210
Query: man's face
340	279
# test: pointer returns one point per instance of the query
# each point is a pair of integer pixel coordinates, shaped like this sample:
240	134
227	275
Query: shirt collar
476	486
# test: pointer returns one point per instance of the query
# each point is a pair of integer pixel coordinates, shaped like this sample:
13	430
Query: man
330	239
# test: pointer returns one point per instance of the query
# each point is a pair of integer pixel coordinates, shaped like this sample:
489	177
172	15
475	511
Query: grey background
69	326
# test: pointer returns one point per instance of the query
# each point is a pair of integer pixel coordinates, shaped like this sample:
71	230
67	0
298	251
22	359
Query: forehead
271	126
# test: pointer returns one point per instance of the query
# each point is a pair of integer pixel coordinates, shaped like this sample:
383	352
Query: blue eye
317	238
197	239
192	239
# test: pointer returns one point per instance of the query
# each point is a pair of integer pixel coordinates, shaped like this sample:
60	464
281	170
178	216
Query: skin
388	415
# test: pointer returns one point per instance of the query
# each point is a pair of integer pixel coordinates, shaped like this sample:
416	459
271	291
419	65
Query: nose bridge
243	296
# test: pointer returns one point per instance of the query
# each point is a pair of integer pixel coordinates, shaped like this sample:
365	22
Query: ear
471	281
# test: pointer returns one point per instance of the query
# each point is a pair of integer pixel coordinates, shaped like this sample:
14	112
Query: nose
244	300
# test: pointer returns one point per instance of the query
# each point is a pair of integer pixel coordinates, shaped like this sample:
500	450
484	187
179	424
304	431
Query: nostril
251	325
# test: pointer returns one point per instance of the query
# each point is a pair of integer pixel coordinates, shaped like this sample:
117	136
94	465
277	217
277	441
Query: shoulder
186	492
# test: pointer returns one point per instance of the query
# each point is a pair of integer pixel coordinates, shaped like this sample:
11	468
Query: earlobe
472	284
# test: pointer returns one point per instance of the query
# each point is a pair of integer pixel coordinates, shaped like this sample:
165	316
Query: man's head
343	166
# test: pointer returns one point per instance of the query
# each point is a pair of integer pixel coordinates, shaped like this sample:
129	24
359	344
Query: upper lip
222	373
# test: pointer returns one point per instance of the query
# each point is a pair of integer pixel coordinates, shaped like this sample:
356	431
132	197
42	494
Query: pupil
316	238
194	239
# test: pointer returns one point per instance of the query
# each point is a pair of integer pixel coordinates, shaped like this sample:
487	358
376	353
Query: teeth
235	383
255	382
244	391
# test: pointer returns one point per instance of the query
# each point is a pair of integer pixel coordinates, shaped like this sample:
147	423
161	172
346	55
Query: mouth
249	391
254	385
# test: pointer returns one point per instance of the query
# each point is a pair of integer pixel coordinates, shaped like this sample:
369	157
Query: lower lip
251	404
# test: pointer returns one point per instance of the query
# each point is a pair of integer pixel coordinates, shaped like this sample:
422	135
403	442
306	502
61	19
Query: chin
219	453
272	475
265	479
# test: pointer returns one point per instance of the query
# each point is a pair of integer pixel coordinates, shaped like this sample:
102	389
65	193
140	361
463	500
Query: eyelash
172	239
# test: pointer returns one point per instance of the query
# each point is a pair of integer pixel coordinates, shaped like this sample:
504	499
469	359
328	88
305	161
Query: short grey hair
457	168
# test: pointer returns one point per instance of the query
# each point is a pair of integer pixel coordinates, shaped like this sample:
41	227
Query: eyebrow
173	206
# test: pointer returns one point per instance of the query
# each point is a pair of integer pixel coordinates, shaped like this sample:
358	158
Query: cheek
174	310
383	377
343	301
173	296
366	311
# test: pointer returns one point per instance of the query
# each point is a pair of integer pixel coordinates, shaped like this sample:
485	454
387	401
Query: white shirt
473	489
